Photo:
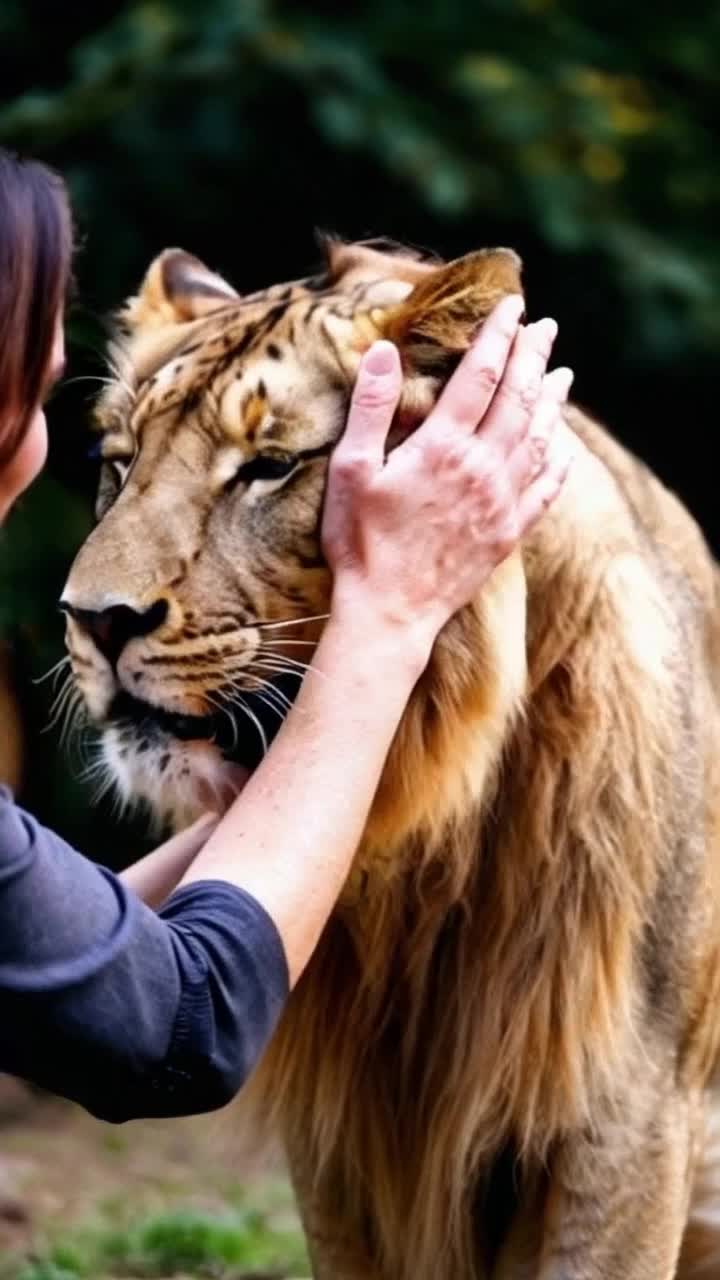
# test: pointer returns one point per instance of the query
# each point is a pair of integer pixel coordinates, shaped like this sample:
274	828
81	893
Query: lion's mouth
241	729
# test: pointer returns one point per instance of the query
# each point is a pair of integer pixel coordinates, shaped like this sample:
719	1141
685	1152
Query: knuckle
492	511
484	467
539	446
522	395
444	452
374	396
350	467
485	376
530	394
454	455
483	480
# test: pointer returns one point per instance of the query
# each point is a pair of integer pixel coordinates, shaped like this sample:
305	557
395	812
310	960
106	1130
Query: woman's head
35	256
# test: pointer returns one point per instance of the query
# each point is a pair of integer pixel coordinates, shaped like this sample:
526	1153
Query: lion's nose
112	628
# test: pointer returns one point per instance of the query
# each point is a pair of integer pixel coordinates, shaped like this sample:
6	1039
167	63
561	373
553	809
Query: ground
160	1199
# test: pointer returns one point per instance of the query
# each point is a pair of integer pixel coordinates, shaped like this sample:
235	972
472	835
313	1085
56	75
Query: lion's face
194	606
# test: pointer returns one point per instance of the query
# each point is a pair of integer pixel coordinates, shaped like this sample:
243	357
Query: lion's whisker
274	668
53	671
62	700
275	661
279	711
253	718
224	711
291	622
277	653
74	718
89	377
271	692
291	666
264	693
308	643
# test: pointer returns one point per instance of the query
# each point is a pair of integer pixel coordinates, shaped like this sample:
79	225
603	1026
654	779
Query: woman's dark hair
35	259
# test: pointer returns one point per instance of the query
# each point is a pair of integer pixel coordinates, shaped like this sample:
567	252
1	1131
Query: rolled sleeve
231	956
128	1012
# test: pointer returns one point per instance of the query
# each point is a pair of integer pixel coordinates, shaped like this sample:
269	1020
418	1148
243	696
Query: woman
133	1013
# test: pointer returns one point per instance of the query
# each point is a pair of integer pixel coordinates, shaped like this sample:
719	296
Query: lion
499	1062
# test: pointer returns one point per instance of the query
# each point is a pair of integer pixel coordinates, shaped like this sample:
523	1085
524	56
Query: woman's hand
413	538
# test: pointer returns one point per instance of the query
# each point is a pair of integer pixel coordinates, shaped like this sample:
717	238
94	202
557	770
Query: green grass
233	1245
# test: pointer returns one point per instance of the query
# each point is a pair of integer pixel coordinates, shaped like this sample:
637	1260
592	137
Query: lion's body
552	955
498	1061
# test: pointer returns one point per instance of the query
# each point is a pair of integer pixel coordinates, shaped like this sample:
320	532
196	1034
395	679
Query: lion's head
194	606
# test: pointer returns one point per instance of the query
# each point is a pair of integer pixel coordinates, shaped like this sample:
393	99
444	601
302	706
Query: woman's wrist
378	640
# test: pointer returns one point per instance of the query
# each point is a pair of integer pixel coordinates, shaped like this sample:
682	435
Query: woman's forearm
154	877
290	837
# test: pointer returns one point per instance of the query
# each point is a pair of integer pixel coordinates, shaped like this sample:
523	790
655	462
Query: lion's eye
112	478
264	466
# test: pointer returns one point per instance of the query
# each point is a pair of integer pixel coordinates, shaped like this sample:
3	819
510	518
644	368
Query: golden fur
498	1061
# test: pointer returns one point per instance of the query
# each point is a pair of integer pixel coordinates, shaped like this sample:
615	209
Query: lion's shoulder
665	530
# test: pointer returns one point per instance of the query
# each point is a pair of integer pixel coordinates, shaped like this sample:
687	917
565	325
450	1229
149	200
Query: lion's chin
176	781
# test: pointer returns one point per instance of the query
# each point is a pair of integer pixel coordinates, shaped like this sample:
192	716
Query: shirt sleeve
128	1012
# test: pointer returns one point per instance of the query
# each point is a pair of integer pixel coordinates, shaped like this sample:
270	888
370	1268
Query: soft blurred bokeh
582	132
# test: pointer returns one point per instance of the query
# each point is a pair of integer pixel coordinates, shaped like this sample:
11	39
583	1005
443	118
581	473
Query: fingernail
381	358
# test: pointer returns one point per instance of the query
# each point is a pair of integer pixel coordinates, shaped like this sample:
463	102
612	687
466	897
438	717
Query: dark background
584	134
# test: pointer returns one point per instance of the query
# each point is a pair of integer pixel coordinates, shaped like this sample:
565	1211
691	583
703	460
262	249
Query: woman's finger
372	407
470	391
508	418
542	492
529	456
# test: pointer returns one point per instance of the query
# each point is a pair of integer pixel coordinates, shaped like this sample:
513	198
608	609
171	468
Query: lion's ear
437	322
177	289
372	261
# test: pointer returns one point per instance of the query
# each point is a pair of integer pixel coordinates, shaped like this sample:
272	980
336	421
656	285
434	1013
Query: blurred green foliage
582	132
246	1243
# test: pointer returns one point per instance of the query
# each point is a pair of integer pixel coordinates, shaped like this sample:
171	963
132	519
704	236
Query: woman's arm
154	877
411	539
127	1012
